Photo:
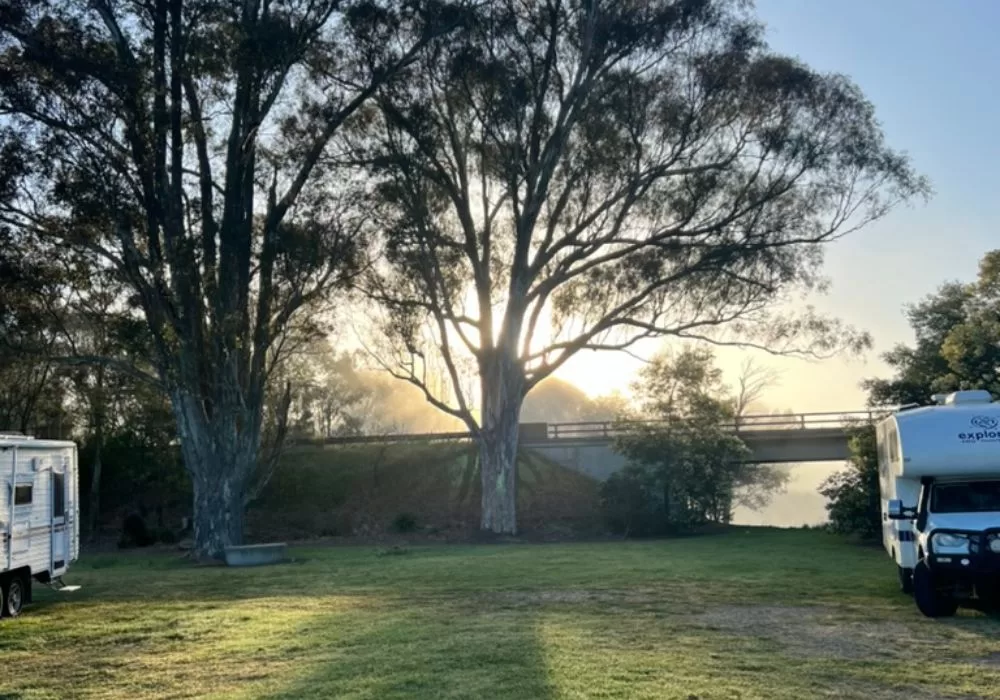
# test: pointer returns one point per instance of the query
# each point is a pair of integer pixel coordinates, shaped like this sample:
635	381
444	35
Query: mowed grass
744	614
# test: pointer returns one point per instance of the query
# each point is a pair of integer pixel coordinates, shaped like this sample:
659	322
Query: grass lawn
746	614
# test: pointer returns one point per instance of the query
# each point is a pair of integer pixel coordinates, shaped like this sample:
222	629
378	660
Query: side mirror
896	511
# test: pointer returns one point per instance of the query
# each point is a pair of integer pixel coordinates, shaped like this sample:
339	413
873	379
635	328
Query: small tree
688	468
567	175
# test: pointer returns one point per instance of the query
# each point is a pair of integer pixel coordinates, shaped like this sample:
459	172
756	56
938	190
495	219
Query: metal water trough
256	554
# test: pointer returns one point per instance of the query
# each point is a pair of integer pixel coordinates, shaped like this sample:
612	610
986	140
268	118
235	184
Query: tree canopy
184	145
564	175
509	182
957	346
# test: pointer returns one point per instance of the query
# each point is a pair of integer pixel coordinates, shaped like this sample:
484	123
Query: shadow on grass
439	651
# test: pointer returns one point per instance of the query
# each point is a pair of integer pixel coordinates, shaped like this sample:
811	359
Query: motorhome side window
969	497
880	444
22	495
893	448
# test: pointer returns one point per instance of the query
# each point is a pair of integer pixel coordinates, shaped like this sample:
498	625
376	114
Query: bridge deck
588	446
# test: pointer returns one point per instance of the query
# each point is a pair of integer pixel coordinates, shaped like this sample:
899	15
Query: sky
933	75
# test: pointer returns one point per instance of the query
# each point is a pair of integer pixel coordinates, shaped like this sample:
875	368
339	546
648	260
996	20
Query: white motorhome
39	516
939	469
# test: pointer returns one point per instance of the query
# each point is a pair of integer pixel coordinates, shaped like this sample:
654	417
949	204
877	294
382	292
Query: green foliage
686	469
404	522
957	347
609	172
958	342
166	536
361	489
632	503
853	494
191	165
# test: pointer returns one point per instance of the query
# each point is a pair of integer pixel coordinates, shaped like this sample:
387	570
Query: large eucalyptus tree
566	175
186	144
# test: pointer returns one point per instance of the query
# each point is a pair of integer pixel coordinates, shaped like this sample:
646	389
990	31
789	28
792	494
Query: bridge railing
595	430
748	423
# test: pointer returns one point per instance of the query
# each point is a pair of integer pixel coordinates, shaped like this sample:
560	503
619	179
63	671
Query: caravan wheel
13	593
931	601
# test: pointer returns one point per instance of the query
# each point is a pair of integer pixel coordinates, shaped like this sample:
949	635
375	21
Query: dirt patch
812	632
991	659
573	597
858	689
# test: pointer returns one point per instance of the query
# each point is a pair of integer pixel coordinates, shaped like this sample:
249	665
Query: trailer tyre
931	601
15	593
905	580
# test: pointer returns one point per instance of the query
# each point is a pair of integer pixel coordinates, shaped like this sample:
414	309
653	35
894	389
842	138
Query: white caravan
939	473
39	516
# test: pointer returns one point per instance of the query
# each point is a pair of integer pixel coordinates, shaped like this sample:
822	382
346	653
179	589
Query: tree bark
503	392
95	488
221	461
98	406
218	516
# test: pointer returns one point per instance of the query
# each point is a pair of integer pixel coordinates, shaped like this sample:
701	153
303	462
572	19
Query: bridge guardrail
608	429
748	423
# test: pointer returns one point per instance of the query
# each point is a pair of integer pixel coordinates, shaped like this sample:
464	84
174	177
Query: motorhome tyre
930	601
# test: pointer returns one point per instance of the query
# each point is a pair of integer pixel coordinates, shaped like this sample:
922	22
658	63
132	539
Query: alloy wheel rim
14	597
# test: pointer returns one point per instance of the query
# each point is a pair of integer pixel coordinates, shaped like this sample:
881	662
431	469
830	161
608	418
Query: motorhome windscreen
966	497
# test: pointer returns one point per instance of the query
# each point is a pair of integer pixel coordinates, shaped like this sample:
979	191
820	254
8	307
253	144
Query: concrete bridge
780	439
588	447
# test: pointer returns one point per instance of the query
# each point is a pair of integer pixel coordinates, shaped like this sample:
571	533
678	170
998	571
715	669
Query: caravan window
22	495
58	495
969	497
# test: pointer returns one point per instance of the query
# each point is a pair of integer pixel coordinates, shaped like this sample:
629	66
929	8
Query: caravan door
60	520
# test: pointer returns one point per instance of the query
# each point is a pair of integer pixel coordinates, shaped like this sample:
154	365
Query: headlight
995	544
949	541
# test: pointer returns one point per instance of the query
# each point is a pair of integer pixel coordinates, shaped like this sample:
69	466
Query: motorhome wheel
931	601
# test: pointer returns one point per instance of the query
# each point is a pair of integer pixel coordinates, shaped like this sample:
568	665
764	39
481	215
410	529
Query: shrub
404	522
853	494
631	505
166	536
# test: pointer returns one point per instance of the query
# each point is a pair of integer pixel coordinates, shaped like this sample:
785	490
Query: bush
631	505
853	494
135	533
404	522
166	536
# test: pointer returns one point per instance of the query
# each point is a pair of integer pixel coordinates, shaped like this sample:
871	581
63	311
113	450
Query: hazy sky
932	69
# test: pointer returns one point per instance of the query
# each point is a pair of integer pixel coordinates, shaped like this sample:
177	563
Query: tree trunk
503	391
218	516
220	461
95	488
97	410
